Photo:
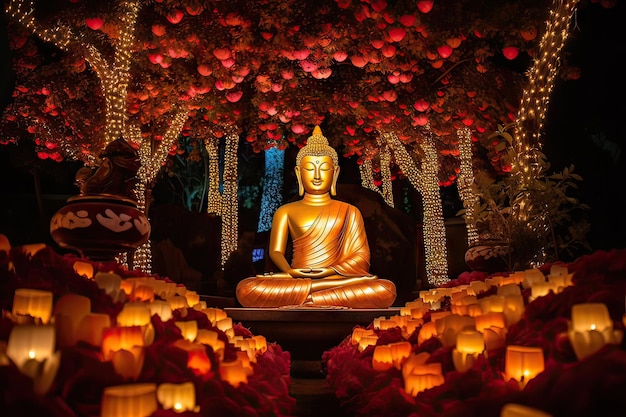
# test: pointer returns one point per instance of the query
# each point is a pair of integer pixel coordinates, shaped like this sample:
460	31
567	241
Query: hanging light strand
213	194
535	98
230	202
367	175
464	183
385	171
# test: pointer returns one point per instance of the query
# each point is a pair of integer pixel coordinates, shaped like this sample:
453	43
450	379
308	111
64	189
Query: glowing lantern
393	354
523	363
427	331
111	283
518	410
177	397
490	319
509	289
367	340
30	345
34	303
118	338
261	343
449	326
175	16
158	30
590	328
197	359
131	400
510	52
444	51
469	344
94	23
161	308
233	372
91	328
177	302
214	314
397	33
143	293
189	329
425	6
69	311
84	269
5	245
340	56
532	276
358	332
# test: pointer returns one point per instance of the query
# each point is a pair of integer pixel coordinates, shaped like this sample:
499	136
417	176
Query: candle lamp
118	338
69	311
32	248
188	329
233	372
513	308
111	284
137	314
418	360
30	345
469	344
411	325
211	338
144	293
84	269
390	355
178	397
130	400
192	297
449	326
214	314
197	358
367	340
261	343
590	328
509	289
428	330
532	276
359	332
91	328
523	363
161	308
33	303
519	410
541	289
178	302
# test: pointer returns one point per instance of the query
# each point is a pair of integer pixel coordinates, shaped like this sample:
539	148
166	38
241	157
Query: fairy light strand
367	175
385	173
464	183
214	204
230	203
425	181
535	98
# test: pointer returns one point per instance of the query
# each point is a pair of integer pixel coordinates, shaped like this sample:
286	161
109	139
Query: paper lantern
532	276
128	362
34	303
134	314
416	383
178	302
69	311
84	269
359	332
111	283
590	328
233	372
178	397
367	340
495	337
211	338
118	338
390	355
523	363
449	326
214	314
226	325
490	319
509	289
197	359
143	293
427	331
30	345
261	343
161	308
32	249
188	329
469	344
540	289
513	309
5	244
416	364
510	52
519	410
192	297
91	328
131	400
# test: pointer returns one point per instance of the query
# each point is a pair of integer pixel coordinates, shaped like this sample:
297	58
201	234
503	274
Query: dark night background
583	127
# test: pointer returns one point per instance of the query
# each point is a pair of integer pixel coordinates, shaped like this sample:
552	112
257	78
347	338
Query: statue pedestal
306	333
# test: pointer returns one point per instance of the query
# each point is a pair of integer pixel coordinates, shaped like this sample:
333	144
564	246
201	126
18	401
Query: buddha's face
317	174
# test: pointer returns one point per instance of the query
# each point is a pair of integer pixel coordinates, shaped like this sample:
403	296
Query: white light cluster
214	197
230	202
426	182
385	172
464	183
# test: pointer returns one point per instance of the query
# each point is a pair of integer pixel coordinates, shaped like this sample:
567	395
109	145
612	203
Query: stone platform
306	332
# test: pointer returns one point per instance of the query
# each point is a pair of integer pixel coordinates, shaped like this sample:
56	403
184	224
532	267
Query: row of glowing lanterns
474	326
41	326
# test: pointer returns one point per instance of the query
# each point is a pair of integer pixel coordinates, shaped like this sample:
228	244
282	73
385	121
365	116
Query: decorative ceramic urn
100	226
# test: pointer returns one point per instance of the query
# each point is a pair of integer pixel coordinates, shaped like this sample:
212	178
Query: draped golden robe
337	240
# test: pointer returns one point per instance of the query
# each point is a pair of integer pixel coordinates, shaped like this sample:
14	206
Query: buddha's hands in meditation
312	273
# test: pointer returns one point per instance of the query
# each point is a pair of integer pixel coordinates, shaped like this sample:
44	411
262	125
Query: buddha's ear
300	186
333	187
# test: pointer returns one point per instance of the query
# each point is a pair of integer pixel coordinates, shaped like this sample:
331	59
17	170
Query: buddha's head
317	166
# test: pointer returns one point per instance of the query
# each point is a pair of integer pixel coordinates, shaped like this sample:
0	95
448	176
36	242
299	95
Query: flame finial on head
317	145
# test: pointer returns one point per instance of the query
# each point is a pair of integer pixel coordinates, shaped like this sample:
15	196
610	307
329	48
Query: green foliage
541	221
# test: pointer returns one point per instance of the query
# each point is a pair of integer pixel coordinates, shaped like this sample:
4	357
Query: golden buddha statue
331	255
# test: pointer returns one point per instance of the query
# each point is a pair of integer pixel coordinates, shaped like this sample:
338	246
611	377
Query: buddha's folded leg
380	293
273	292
